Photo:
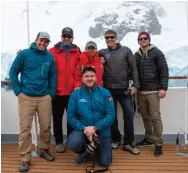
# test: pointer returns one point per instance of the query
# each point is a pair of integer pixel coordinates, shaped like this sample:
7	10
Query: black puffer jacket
118	63
153	69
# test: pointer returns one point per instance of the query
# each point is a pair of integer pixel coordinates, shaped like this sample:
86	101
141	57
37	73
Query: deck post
35	153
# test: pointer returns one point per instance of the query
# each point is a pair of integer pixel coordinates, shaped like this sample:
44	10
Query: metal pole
186	114
28	31
35	153
186	4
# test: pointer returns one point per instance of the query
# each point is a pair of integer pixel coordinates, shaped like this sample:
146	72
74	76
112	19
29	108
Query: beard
67	43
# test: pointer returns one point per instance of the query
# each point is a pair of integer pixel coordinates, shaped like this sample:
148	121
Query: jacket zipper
142	60
65	78
42	70
91	106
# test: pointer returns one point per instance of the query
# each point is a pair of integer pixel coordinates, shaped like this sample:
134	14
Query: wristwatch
95	128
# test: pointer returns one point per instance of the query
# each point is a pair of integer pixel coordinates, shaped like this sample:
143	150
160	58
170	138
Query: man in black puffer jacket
119	63
153	74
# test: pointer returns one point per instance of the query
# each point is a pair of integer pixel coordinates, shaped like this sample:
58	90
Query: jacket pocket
45	68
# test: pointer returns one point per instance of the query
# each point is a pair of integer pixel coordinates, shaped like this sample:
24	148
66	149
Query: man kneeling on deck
91	112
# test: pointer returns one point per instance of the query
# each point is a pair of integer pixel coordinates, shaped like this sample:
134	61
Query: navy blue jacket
93	107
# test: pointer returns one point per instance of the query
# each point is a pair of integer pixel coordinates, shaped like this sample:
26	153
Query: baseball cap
43	35
89	68
91	43
67	31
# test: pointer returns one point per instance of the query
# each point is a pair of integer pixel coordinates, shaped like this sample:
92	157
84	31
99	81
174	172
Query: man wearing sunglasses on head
66	55
119	63
153	74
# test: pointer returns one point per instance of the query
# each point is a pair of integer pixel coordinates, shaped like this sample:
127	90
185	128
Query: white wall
173	110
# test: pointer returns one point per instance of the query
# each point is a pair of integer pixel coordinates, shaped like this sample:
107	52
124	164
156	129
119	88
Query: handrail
177	77
7	82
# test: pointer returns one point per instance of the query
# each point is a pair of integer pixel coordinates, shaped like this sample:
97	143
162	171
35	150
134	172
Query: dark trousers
128	116
77	143
59	104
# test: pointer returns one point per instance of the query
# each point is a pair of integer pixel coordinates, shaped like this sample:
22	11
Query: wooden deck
123	162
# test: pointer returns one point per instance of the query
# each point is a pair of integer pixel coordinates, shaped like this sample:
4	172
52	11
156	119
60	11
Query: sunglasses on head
67	36
143	38
111	37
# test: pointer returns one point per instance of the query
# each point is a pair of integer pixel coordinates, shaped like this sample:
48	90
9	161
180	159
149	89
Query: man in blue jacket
35	89
91	112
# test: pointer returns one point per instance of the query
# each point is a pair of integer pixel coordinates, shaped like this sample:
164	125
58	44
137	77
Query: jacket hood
151	46
33	47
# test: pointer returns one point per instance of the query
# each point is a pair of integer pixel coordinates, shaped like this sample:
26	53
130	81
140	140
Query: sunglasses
143	38
67	36
111	37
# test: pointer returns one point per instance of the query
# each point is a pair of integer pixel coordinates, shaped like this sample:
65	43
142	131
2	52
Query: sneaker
158	151
131	149
47	155
60	148
144	142
24	167
80	160
115	144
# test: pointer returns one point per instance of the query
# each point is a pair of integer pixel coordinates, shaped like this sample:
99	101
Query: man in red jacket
66	55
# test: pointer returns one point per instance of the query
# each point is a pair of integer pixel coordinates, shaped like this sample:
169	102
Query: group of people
88	85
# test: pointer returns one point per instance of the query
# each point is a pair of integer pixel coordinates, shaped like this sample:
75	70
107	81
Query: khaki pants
28	106
149	105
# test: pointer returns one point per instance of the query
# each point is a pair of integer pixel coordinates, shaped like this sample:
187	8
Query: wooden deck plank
123	162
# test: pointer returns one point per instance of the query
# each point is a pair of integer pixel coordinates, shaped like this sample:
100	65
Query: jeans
77	143
128	116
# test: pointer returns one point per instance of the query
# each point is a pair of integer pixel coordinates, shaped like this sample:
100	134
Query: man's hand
18	52
91	137
133	90
162	93
89	131
76	88
20	95
102	60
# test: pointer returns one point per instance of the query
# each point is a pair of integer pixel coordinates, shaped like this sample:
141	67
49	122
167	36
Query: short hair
88	69
110	31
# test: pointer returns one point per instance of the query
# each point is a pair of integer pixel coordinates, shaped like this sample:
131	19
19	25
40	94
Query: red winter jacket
65	66
85	61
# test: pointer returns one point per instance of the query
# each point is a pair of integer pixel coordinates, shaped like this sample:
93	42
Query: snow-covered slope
166	21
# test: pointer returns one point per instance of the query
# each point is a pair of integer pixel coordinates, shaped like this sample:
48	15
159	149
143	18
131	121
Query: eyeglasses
111	37
143	38
67	36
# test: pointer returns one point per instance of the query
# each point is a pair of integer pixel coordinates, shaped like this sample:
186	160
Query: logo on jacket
110	99
82	100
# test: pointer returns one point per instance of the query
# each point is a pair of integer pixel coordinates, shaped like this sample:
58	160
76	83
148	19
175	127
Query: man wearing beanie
119	62
153	74
35	90
66	55
89	57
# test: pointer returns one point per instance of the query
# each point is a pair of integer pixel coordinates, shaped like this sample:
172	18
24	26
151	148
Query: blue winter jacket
93	107
38	72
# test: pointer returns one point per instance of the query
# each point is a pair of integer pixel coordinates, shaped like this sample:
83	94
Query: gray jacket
119	66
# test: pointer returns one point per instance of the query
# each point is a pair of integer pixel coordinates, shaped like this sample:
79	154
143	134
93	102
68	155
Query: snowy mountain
90	19
124	17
